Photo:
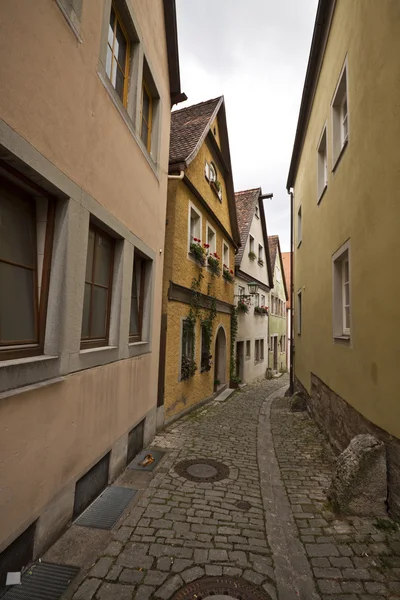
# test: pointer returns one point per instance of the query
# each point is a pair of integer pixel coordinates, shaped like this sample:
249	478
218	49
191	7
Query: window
137	297
251	244
256	299
273	305
194	225
213	172
72	11
322	165
225	254
283	343
278	274
26	226
256	350
260	254
211	239
248	348
262	300
146	116
341	292
340	117
187	362
256	212
117	61
261	345
205	353
299	312
241	290
299	227
98	284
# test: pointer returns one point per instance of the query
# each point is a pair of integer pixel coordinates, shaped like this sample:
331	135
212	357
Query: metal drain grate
43	581
105	511
156	454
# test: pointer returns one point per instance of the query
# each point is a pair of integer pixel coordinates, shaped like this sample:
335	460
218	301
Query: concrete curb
294	578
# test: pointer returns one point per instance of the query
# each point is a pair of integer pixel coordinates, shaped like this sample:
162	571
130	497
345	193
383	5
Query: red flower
206	245
231	272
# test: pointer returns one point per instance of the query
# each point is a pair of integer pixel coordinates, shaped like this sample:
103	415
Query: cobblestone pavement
180	531
351	558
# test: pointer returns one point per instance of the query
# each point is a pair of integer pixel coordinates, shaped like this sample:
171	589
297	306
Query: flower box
261	310
198	252
242	306
252	256
228	274
213	264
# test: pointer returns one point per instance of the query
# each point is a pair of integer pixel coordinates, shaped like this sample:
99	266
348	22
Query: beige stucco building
252	265
344	173
87	88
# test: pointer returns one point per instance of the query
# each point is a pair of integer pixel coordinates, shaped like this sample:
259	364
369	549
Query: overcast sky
255	54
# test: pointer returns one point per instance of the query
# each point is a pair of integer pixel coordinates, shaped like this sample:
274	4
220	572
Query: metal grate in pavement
105	511
140	458
43	581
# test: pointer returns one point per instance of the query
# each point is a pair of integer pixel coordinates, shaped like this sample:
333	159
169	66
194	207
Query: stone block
298	403
359	486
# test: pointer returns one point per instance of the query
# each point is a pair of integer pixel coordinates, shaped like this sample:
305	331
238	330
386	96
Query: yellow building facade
201	241
344	175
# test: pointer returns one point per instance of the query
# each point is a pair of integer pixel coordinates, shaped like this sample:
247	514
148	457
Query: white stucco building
252	264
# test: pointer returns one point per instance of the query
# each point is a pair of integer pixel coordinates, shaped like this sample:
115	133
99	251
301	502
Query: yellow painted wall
180	268
180	395
361	203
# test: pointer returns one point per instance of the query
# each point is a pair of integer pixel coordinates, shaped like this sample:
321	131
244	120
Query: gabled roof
246	202
189	127
274	251
288	277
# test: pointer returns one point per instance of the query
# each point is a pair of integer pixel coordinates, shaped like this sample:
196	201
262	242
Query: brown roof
189	127
245	205
286	268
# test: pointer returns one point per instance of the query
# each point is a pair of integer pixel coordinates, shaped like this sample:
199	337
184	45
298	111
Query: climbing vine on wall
234	330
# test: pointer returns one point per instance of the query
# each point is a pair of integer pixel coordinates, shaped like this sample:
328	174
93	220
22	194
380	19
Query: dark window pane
17	306
89	260
146	106
112	18
120	47
99	312
86	311
17	230
134	323
119	82
103	260
134	328
145	133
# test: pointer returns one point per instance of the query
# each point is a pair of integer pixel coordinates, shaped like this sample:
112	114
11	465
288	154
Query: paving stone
321	550
192	574
213	570
254	577
328	586
218	555
144	592
115	591
180	564
155	578
102	567
169	587
114	573
131	576
87	590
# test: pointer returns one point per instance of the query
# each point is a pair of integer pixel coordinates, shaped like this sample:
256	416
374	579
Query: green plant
213	263
216	382
386	524
260	310
188	367
261	262
252	255
218	185
227	274
242	306
198	252
234	330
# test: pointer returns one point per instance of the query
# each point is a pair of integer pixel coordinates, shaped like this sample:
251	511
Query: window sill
27	360
99	349
127	119
19	373
322	194
72	20
299	243
31	388
138	348
88	358
339	158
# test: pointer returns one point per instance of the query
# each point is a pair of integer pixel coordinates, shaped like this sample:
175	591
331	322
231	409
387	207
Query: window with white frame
211	238
283	343
194	225
251	247
261	345
256	350
341	292
322	164
256	299
225	254
340	116
299	227
248	348
299	312
260	254
262	300
241	290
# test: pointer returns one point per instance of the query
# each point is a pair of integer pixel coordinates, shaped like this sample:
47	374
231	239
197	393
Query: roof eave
171	31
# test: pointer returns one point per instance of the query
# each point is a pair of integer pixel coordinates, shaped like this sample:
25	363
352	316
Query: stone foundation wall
341	422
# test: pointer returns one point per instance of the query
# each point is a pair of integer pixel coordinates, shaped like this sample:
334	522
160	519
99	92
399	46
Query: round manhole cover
202	470
220	588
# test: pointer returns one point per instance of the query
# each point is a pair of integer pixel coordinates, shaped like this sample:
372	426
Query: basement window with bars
26	239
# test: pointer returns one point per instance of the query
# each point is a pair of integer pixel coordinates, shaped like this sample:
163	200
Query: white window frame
262	301
251	243
248	345
340	97
241	291
196	210
339	259
256	299
256	351
260	253
214	249
299	311
261	349
225	247
322	164
299	226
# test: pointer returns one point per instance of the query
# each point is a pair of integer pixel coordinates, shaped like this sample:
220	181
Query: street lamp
253	288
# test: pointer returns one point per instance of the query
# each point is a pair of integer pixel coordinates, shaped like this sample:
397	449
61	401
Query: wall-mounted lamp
253	288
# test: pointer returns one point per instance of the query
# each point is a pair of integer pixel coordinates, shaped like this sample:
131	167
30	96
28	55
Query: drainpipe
291	296
180	176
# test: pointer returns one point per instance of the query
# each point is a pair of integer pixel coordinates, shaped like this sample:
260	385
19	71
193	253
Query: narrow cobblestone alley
266	522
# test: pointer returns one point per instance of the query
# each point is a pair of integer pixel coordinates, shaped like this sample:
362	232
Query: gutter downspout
180	176
291	296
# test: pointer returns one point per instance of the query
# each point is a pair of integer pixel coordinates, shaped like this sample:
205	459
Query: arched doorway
220	359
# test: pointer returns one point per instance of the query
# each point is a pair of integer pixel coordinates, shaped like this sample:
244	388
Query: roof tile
245	205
